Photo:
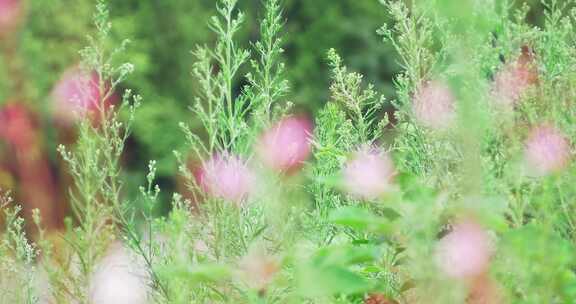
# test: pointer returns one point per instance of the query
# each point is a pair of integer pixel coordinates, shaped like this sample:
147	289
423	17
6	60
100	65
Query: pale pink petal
511	83
17	126
258	269
434	105
286	145
119	279
465	252
547	150
77	95
227	177
368	174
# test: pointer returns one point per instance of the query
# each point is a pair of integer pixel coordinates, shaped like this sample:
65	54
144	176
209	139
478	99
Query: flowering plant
459	189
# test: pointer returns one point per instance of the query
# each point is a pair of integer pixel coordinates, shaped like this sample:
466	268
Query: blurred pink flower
11	12
119	279
547	150
368	174
77	95
514	79
257	269
510	84
17	125
227	177
465	252
19	128
286	145
434	105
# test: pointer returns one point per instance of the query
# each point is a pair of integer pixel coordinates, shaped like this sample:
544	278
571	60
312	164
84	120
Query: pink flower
77	95
17	125
465	252
514	79
368	174
287	145
434	106
547	150
119	279
227	177
510	84
11	12
257	269
20	130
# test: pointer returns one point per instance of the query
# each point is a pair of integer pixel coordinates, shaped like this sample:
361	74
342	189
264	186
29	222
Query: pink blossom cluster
514	79
368	174
78	94
257	269
434	105
287	144
227	177
547	150
465	252
119	279
283	148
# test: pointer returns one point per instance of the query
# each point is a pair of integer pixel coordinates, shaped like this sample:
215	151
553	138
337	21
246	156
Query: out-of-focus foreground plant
463	195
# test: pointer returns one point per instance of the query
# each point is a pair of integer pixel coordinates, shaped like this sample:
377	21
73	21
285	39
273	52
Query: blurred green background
163	32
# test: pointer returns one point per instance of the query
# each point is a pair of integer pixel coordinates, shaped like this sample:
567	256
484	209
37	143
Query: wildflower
547	150
20	130
17	125
11	12
287	145
514	79
368	174
78	95
465	252
434	106
227	177
258	269
119	279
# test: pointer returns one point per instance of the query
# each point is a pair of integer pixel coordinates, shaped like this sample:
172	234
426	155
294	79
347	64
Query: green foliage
362	104
95	167
301	238
17	258
231	120
347	26
359	219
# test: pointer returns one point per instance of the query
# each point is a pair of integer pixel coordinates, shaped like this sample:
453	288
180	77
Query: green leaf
317	281
360	219
198	273
345	255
